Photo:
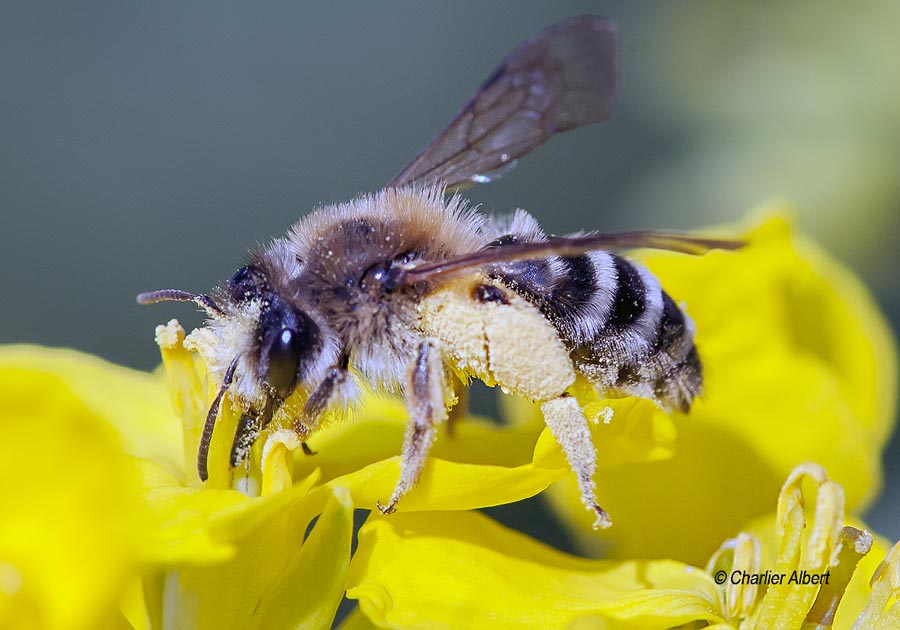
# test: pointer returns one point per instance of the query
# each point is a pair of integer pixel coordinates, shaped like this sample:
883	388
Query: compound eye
245	284
284	357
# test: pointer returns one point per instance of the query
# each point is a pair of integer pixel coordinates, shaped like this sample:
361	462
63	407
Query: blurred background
149	145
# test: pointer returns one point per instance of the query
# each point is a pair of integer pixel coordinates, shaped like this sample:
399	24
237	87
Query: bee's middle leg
427	395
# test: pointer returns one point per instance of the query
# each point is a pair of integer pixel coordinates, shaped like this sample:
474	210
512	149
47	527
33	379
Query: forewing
562	78
566	247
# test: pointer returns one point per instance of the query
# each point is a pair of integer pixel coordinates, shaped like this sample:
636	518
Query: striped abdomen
624	333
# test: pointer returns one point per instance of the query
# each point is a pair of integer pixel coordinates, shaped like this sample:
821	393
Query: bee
411	289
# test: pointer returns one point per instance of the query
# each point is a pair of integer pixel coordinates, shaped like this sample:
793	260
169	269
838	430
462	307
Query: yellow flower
97	456
102	506
799	366
99	531
223	553
461	570
231	560
229	536
70	525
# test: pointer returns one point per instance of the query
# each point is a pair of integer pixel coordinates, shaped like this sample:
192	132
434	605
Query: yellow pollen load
507	343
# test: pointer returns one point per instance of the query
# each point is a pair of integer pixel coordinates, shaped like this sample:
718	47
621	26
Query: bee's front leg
329	393
248	429
428	394
336	390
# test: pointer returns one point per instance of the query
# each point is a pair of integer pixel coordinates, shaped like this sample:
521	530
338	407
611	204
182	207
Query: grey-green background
148	145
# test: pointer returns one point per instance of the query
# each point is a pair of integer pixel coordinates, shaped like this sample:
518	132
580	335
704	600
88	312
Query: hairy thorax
352	251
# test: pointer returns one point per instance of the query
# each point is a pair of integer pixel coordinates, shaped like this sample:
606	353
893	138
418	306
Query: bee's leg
568	425
307	450
248	429
331	391
325	394
427	394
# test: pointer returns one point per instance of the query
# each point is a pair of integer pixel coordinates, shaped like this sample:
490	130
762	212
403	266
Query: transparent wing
566	247
562	78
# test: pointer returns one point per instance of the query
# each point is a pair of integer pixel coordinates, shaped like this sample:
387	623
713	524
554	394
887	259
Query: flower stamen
740	555
882	611
855	543
185	389
785	605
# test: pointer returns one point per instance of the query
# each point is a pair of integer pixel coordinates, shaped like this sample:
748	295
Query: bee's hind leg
568	425
427	394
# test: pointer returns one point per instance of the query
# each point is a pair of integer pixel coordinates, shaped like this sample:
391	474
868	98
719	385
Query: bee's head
285	343
259	340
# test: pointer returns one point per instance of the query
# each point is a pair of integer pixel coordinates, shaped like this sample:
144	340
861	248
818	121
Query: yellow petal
311	587
376	433
623	430
133	605
275	579
461	570
448	485
480	465
179	519
190	525
135	404
186	392
276	453
799	366
192	400
800	361
356	620
71	526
